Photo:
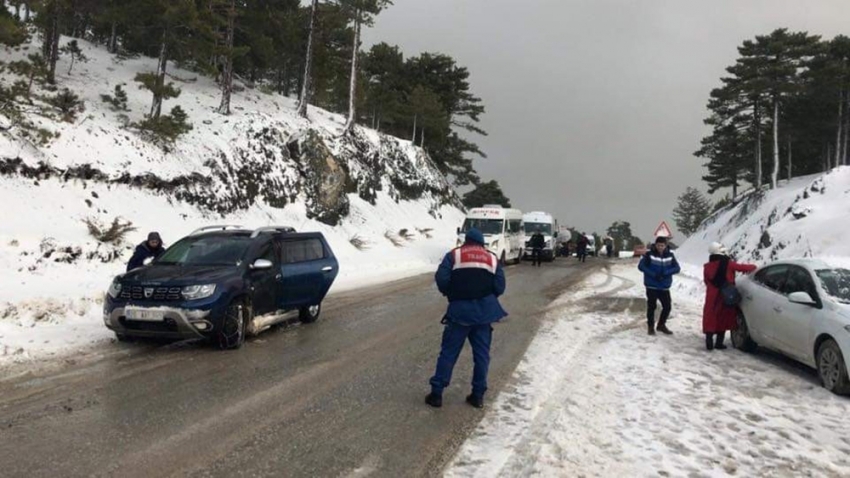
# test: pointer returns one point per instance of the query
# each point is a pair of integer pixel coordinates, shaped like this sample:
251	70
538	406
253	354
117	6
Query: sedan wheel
832	369
741	339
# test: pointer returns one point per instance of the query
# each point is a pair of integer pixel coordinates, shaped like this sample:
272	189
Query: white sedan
800	308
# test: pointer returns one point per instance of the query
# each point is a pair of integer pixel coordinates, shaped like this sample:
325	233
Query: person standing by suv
658	265
151	248
472	279
538	242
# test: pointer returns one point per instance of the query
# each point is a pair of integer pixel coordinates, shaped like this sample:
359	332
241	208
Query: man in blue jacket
658	265
472	279
151	248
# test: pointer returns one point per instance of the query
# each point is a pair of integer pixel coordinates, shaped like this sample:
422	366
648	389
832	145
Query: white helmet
717	248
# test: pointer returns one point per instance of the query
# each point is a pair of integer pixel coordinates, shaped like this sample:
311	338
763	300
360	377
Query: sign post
663	230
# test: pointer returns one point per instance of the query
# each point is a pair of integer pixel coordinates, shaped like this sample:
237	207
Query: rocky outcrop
266	164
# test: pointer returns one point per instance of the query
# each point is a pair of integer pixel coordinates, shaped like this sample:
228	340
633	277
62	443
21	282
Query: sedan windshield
486	226
531	228
206	251
836	283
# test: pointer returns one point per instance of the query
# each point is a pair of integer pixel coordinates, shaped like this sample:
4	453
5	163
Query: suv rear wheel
831	368
234	326
308	315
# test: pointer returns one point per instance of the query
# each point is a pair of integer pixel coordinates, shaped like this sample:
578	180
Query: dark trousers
536	256
454	336
652	298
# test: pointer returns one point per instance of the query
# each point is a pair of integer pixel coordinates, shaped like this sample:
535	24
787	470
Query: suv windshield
836	283
215	250
486	226
531	228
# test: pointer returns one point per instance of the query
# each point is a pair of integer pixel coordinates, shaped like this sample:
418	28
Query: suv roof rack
261	230
223	227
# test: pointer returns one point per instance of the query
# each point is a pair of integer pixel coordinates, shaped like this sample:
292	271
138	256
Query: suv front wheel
308	315
234	326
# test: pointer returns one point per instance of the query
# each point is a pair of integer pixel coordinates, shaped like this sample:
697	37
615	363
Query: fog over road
341	397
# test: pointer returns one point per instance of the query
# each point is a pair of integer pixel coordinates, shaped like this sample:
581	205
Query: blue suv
222	283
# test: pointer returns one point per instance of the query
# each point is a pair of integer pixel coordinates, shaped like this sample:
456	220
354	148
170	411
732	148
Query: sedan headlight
194	292
114	290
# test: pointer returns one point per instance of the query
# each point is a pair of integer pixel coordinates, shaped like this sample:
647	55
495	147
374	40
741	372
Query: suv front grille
138	292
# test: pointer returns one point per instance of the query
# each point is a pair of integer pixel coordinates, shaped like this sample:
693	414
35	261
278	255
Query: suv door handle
748	296
778	310
278	277
327	269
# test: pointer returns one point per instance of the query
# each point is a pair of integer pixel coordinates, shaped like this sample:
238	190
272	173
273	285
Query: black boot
434	400
718	343
475	400
662	327
709	342
651	327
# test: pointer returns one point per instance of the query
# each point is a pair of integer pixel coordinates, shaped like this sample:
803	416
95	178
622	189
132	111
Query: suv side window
302	250
799	280
773	277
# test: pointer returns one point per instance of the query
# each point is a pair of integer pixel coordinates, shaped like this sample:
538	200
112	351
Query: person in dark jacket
538	242
151	248
609	246
718	317
472	279
658	265
581	247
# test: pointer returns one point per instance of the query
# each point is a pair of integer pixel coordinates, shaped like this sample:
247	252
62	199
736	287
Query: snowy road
342	397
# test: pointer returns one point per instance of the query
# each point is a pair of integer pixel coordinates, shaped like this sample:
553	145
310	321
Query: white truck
502	229
548	226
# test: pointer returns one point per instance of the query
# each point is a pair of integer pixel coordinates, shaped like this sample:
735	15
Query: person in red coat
718	317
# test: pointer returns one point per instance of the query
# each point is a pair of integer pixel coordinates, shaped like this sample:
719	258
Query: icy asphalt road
341	397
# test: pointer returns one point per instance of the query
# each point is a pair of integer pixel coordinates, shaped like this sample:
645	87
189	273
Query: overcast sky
595	107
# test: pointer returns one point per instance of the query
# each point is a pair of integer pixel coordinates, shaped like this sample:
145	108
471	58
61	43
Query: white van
502	229
548	226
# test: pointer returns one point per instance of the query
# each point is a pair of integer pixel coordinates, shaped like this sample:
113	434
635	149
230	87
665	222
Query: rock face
324	178
266	162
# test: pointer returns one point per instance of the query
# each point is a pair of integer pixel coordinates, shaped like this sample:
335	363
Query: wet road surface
341	397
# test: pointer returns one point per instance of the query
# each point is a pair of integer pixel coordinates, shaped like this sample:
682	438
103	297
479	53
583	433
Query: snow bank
803	218
261	166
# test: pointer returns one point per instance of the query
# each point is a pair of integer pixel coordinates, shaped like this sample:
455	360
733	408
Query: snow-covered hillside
260	166
804	218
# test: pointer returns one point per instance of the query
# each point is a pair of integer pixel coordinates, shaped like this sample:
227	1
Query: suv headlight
194	292
495	244
114	289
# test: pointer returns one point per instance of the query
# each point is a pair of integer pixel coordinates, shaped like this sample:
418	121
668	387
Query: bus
502	229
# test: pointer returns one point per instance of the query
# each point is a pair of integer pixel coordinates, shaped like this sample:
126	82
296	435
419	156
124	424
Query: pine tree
73	50
12	32
361	12
692	208
304	98
486	193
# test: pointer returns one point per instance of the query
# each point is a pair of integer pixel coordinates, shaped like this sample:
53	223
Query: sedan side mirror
261	264
801	298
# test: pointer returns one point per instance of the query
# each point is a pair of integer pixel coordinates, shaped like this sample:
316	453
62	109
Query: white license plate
144	315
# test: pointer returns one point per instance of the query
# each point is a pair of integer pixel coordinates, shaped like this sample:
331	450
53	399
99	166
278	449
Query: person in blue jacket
152	248
472	280
658	265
